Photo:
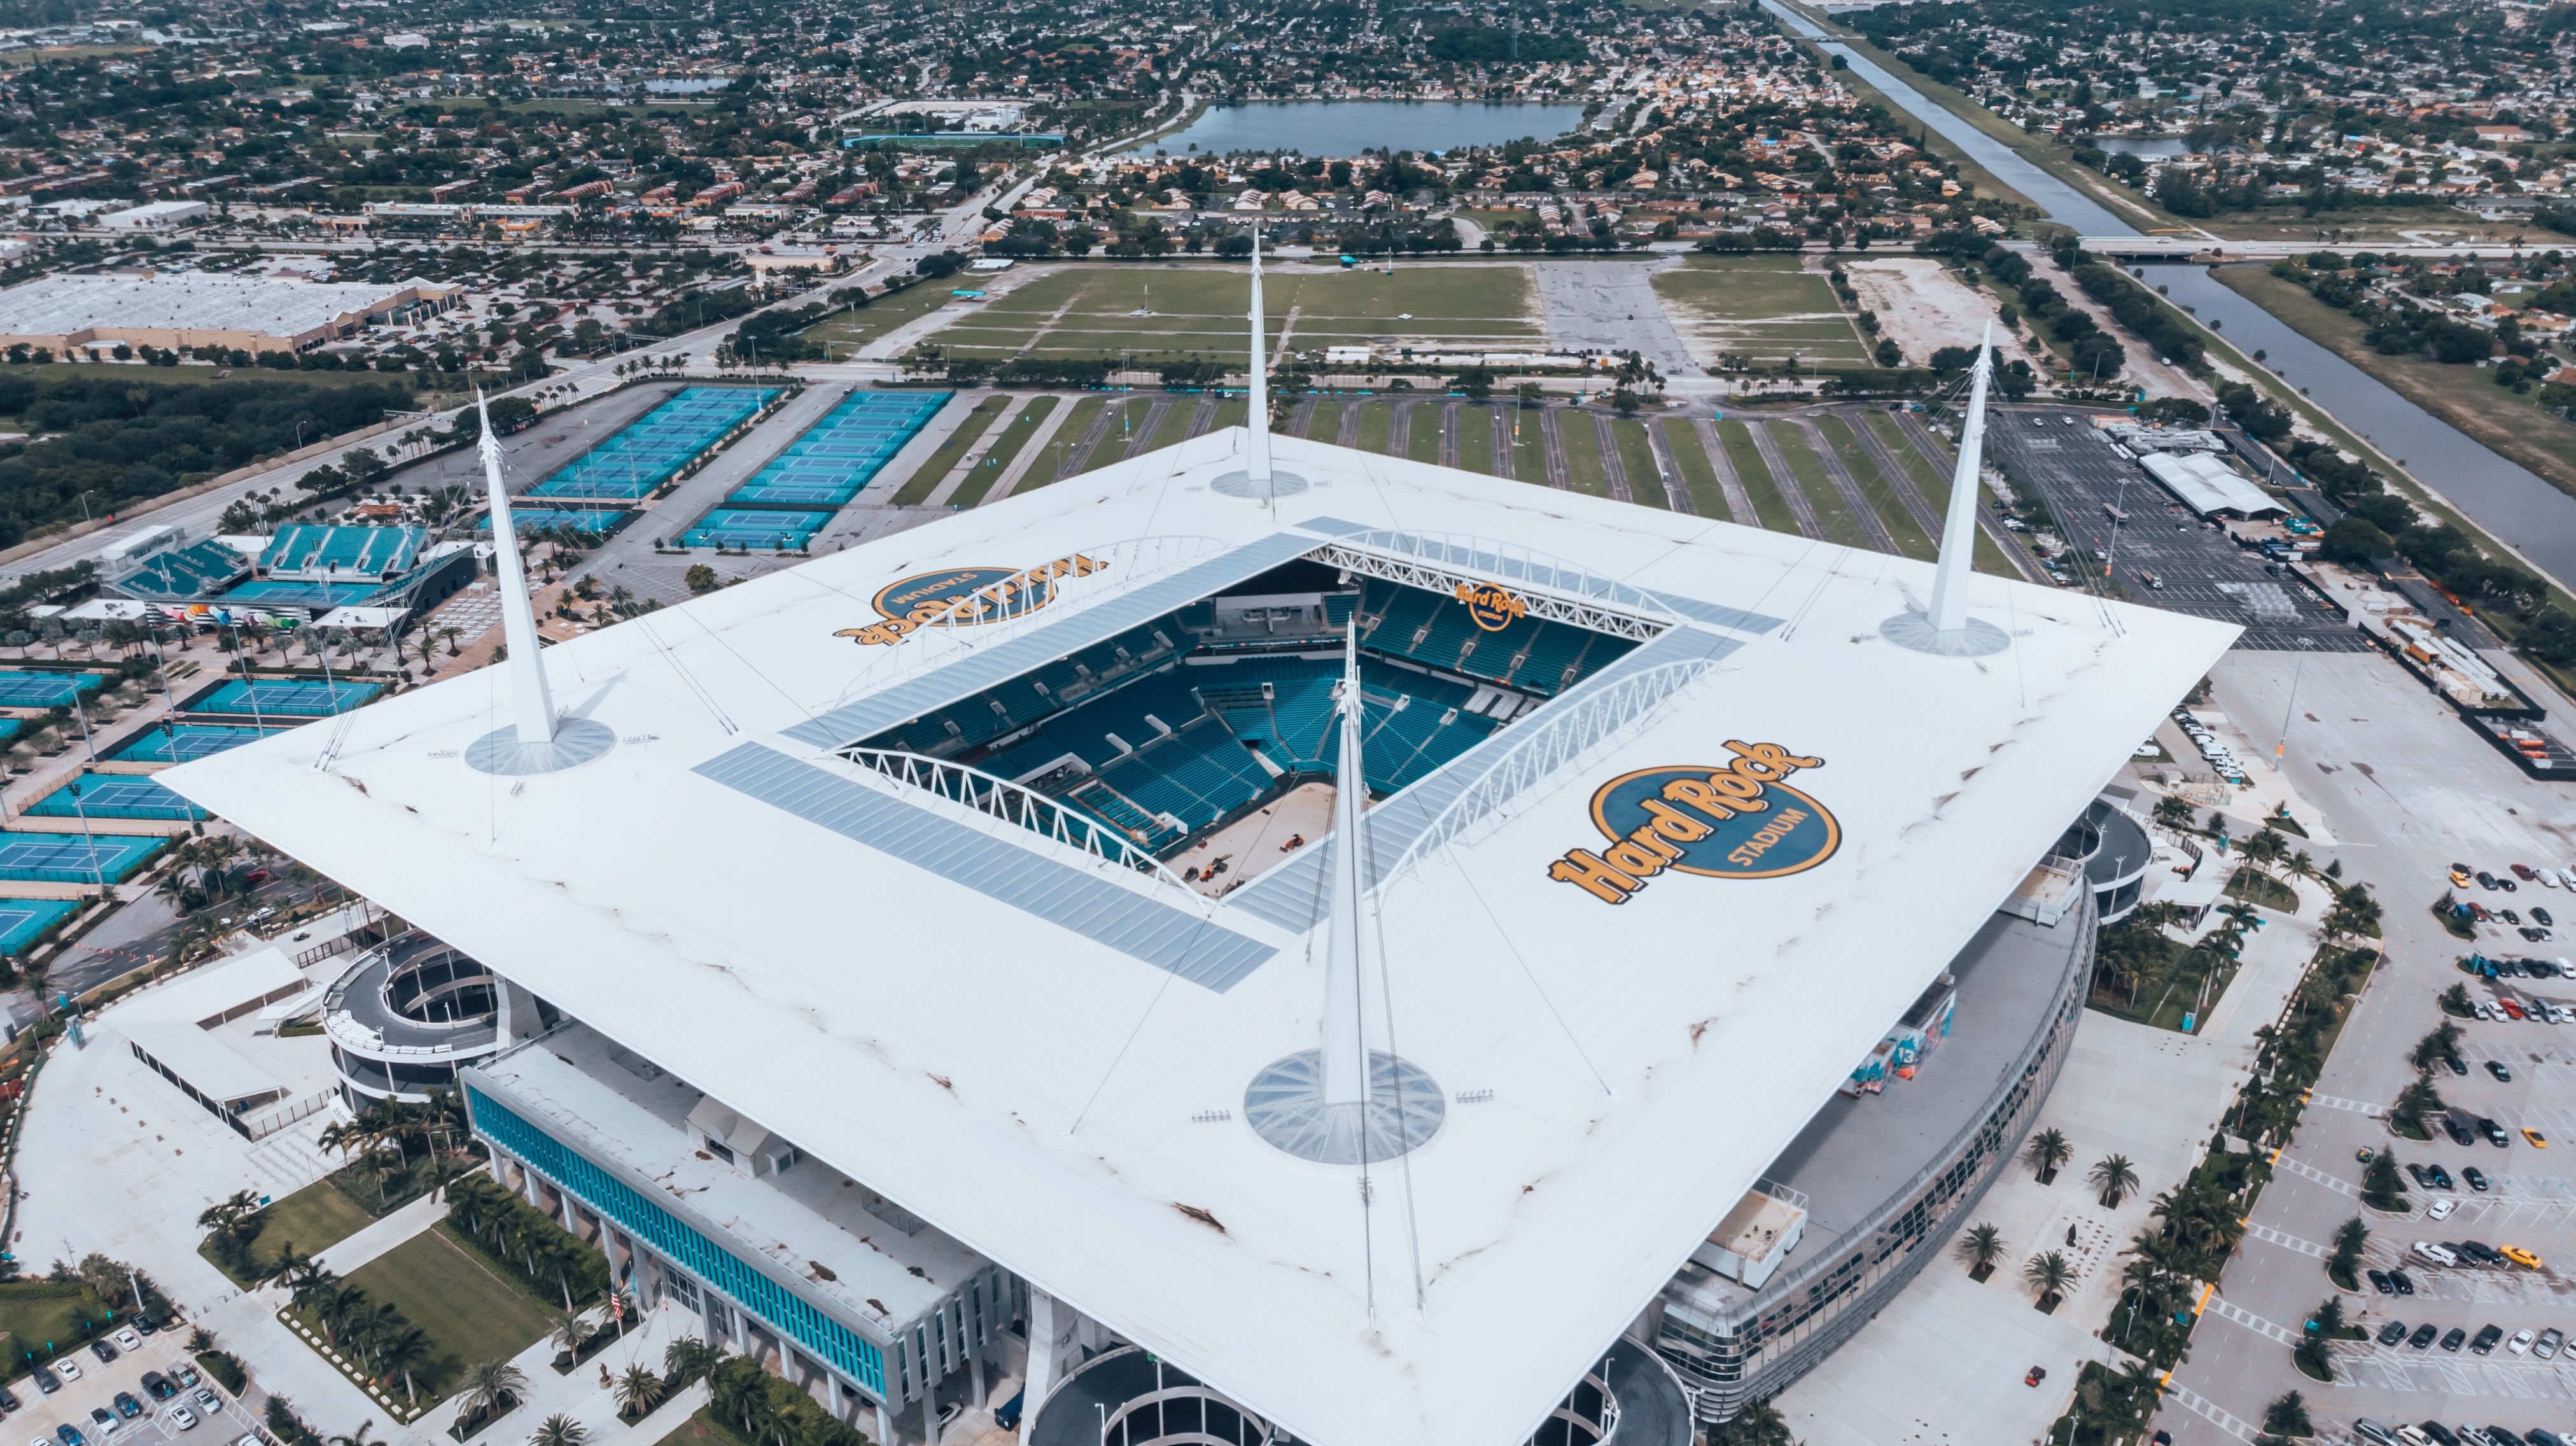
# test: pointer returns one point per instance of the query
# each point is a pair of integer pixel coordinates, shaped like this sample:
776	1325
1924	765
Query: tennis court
185	742
743	527
70	858
839	455
647	451
597	522
115	795
286	697
22	920
43	690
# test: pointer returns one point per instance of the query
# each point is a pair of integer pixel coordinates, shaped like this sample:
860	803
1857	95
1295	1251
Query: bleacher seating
197	570
1540	656
315	553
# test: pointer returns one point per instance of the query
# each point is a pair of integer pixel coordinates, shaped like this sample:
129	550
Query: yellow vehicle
2538	1140
2459	880
2521	1257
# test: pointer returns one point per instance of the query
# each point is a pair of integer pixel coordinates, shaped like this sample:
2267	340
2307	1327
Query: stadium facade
945	954
373	577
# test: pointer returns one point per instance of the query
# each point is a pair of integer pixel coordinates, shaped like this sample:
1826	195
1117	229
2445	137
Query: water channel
2503	496
1340	128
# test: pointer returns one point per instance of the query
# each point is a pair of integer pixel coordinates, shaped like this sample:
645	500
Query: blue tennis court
841	454
748	527
23	920
548	519
647	451
70	858
115	795
286	697
184	742
43	690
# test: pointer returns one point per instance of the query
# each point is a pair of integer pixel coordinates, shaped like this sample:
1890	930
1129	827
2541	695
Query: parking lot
2203	571
40	1418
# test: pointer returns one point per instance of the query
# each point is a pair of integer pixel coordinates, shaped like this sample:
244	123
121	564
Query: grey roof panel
1147	929
1005	660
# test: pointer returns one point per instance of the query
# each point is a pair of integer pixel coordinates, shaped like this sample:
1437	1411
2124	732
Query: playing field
1154	314
1763	308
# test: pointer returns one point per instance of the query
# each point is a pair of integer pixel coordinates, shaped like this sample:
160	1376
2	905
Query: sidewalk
383	1235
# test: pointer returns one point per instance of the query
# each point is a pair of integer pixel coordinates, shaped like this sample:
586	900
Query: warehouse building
66	314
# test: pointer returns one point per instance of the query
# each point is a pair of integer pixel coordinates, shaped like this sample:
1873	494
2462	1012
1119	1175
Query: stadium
939	964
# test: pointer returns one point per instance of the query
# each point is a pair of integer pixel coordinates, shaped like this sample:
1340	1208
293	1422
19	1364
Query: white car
2437	1254
181	1417
2521	1341
67	1368
2567	878
126	1339
207	1399
2440	1209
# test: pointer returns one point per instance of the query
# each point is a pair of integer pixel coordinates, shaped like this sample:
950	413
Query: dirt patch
1923	307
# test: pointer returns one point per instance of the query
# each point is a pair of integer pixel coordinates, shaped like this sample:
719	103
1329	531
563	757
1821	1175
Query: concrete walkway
380	1236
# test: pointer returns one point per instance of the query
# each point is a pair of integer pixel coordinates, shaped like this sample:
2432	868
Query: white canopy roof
2206	484
1031	1076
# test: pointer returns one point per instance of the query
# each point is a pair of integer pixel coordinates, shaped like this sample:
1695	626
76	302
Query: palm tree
358	1437
492	1387
568	1333
1758	1424
1982	1246
2048	1150
2048	1274
398	1353
638	1389
686	1359
559	1430
760	1418
2113	1176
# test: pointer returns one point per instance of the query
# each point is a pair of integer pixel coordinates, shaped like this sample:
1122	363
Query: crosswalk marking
2289	1242
2229	1310
2211	1412
2307	1171
2338	1102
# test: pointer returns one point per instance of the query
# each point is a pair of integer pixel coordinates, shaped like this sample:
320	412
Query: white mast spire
1257	451
1344	1070
1949	610
534	707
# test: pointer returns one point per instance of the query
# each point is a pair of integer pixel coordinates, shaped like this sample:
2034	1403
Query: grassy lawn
1699	476
1422	436
1637	459
1006	449
2261	889
1934	484
1476	438
42	1320
1076	423
1765	307
1755	474
1175	426
1529	448
1182	310
917	488
471	1312
1875	486
1377	426
1822	495
1231	412
1125	413
1582	453
2464	396
855	329
1324	423
309	1221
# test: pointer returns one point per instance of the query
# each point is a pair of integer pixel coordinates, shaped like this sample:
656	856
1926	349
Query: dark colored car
2540	916
2405	1283
2455	1064
70	1435
2455	1338
2478	1252
157	1386
47	1381
103	1351
2509	916
2423	1177
2441	1178
8	1399
2486	881
2458	1132
1007	1415
2494	1132
127	1406
2499	1071
2440	1433
2423	1336
2393	1332
2542	1436
2484	1342
2379	1282
2476	1177
2503	1437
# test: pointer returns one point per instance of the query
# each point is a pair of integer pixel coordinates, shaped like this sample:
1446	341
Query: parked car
186	1420
208	1401
2405	1283
2494	1132
2441	1178
157	1386
47	1382
2523	872
2423	1336
2393	1332
2484	1342
103	1351
127	1406
70	1435
2454	1338
2549	1342
105	1421
2455	1064
2459	878
2521	1257
2440	1209
126	1339
2522	1340
2458	1132
2541	916
2509	916
67	1368
2476	1252
2535	1138
2503	1075
8	1399
2476	1177
2379	1282
2486	881
2512	1008
2373	1433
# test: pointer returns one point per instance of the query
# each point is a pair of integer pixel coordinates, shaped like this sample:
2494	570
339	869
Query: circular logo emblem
1779	830
939	594
1493	608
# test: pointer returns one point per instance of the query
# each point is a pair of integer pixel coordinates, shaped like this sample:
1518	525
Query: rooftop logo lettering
1737	820
965	597
1493	608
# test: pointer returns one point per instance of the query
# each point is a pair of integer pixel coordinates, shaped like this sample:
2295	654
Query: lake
1348	127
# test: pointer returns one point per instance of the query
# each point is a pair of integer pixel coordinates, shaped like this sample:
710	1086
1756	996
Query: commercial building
943	959
156	216
65	314
305	573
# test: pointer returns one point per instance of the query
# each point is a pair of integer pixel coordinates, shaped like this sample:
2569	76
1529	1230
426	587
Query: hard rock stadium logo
965	597
1493	608
1736	820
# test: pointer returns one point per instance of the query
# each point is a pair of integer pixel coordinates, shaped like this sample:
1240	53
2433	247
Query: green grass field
1822	495
1764	307
1699	475
471	1312
1637	459
1529	447
41	1320
1068	435
1422	437
1875	486
1476	439
1149	314
916	489
855	329
1930	480
1324	422
1174	428
1582	453
1755	474
1030	421
1231	412
1377	427
1125	415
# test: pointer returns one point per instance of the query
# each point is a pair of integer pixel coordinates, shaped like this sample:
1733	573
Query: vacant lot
1155	313
1923	306
1764	308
